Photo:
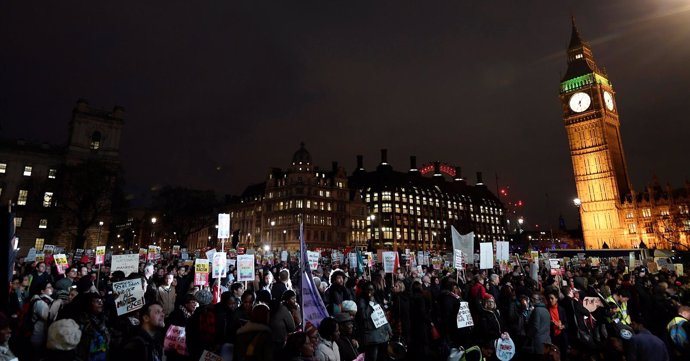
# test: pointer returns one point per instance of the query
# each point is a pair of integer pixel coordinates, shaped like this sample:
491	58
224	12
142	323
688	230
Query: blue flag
313	308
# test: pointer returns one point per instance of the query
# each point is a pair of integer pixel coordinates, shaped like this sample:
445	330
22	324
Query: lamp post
433	238
520	221
578	203
284	241
153	231
371	219
98	240
273	223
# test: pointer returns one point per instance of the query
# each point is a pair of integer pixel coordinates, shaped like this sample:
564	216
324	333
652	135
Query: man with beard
147	345
336	293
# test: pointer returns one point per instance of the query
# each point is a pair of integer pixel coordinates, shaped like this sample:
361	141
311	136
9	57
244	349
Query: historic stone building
612	213
415	209
33	179
269	213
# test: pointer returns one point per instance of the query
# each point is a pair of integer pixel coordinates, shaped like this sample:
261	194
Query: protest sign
219	265
130	296
49	248
176	250
595	262
420	259
505	349
437	263
201	272
464	318
210	253
502	251
61	263
486	255
555	266
40	257
458	259
378	316
223	225
389	261
176	340
100	255
678	268
651	266
352	257
283	256
153	253
662	262
592	303
31	256
184	255
313	258
245	267
534	255
463	242
127	263
210	356
142	253
189	263
360	357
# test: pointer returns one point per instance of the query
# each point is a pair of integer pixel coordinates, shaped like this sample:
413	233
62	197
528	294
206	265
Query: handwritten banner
389	261
313	258
153	253
210	356
130	296
127	263
176	340
464	318
176	250
378	316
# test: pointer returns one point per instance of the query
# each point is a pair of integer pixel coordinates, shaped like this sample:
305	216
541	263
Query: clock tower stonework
591	121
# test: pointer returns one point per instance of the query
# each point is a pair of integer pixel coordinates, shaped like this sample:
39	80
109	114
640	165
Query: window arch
95	140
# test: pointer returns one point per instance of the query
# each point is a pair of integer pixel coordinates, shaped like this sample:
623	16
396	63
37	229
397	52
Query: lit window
3	167
665	212
39	244
646	212
23	195
51	173
27	170
632	228
47	199
43	223
578	56
18	221
95	140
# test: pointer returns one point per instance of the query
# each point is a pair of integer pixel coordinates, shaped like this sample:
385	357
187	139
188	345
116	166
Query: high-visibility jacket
678	334
622	314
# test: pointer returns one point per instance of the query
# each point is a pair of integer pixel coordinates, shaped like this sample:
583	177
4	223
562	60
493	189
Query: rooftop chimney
480	182
384	156
437	169
458	174
360	162
413	164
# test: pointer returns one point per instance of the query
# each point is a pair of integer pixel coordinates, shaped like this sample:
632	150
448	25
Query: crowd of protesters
585	313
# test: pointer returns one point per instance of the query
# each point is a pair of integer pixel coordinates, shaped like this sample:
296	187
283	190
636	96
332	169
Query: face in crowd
155	317
553	300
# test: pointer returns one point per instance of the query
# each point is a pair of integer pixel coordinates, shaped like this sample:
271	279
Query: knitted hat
204	297
349	306
63	335
488	297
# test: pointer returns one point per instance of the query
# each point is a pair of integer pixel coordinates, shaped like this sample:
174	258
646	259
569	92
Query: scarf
186	313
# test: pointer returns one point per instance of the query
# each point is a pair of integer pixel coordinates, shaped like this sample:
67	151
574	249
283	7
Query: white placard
458	259
127	263
502	251
210	253
210	356
313	258
378	316
130	296
486	255
31	256
352	256
245	267
223	226
283	256
219	265
464	318
505	349
389	261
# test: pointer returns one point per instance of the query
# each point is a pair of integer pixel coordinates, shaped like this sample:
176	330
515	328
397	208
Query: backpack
677	332
26	317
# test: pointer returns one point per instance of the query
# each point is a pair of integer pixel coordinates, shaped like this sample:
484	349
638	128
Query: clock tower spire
593	127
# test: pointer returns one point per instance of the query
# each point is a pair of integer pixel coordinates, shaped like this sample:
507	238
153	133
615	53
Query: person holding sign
372	326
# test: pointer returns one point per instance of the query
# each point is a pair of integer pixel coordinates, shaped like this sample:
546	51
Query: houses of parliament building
612	213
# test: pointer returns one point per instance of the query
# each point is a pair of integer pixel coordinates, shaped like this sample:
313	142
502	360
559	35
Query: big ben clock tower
591	121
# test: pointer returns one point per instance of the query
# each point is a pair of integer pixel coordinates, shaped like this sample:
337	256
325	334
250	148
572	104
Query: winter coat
143	347
39	316
538	329
488	326
278	289
254	342
166	297
334	296
281	323
365	325
517	319
327	351
95	337
347	350
400	312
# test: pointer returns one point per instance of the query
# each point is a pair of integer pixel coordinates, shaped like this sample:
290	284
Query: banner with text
130	296
127	263
201	272
245	267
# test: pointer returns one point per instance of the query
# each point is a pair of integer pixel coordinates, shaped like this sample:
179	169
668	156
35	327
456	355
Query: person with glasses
95	334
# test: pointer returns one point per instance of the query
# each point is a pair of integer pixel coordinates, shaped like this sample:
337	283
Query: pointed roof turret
575	39
580	57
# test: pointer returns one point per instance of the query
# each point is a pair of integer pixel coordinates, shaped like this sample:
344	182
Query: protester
254	339
538	327
347	344
298	348
147	344
5	334
373	338
165	294
327	347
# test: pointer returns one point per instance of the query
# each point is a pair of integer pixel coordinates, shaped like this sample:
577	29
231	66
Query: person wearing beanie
254	339
204	297
336	293
147	345
488	326
63	337
5	334
350	307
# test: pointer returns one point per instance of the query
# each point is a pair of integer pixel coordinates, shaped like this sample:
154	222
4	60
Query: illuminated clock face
579	102
608	100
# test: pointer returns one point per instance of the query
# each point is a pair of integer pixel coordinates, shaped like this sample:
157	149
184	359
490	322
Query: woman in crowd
373	338
298	348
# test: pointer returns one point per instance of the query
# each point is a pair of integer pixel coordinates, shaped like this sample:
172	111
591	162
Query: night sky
216	93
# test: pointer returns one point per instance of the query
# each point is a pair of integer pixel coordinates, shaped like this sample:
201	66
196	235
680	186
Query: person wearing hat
336	293
63	338
347	345
5	334
488	326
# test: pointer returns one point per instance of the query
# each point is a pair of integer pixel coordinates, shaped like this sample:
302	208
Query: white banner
313	258
100	255
486	255
283	256
130	296
127	263
464	318
210	253
458	259
378	316
352	256
223	226
465	243
31	257
502	251
219	265
389	261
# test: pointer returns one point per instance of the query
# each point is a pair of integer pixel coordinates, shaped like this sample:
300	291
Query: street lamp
371	219
433	238
578	203
273	223
521	221
153	231
284	237
100	225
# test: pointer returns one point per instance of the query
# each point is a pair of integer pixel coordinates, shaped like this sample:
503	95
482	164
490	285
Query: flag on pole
313	308
465	243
